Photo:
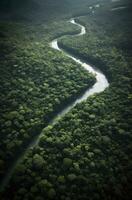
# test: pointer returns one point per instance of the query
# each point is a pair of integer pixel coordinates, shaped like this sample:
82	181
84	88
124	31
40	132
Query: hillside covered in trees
37	11
85	155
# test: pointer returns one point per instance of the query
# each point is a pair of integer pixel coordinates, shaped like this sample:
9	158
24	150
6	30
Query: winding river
99	86
101	80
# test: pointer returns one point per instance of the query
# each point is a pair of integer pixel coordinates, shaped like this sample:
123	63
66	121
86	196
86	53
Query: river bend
101	80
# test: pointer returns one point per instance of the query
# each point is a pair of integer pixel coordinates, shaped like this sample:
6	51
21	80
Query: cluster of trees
87	154
84	155
107	43
42	10
35	83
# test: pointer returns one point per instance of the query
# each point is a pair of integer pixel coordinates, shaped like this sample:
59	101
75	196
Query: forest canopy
86	153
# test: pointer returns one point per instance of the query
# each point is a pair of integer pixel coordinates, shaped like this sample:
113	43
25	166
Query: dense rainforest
85	155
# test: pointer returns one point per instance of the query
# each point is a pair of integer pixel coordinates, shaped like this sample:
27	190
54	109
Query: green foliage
61	179
38	161
71	177
51	193
37	11
35	83
67	162
87	154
